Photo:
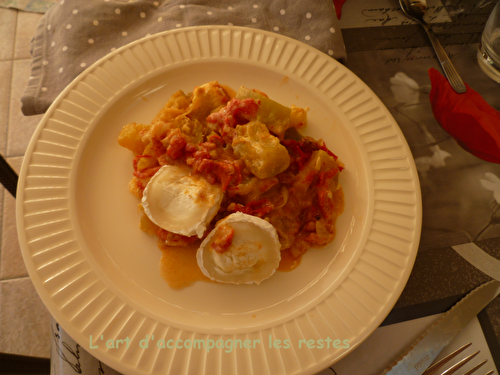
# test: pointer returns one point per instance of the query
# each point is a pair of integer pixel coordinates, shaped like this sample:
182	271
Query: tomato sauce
178	265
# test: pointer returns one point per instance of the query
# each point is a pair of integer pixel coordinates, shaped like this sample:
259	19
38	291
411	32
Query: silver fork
436	366
415	10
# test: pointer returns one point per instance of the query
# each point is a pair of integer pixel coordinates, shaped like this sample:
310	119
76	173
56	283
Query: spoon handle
448	68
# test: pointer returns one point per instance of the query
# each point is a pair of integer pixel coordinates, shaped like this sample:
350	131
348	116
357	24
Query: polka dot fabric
74	34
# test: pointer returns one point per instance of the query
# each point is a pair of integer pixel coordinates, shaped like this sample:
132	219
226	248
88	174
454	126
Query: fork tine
459	364
404	6
433	368
469	372
489	372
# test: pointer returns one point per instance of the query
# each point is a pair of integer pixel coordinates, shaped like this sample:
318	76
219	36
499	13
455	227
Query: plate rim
39	283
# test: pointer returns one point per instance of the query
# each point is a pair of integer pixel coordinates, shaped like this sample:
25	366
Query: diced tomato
324	148
201	154
224	170
176	147
208	146
190	148
215	139
236	112
223	238
255	208
158	146
299	151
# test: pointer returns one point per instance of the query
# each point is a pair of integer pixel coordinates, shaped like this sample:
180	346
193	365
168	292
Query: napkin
74	34
338	7
467	117
35	6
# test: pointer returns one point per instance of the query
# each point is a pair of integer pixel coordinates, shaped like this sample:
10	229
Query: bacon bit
201	150
176	147
200	160
223	170
190	161
236	112
191	148
208	146
255	208
215	139
223	238
202	154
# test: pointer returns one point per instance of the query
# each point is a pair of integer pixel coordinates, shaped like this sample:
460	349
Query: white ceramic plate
98	274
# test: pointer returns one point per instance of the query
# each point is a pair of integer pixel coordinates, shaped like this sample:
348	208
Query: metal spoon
415	10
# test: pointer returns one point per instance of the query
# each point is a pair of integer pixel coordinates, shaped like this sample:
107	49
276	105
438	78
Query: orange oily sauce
178	265
179	268
288	261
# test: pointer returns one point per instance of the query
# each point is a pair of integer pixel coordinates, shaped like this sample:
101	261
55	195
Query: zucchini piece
274	115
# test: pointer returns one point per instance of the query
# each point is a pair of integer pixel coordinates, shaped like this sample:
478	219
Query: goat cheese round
180	202
241	249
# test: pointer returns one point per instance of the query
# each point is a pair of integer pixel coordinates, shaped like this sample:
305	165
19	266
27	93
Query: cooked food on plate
230	187
241	249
